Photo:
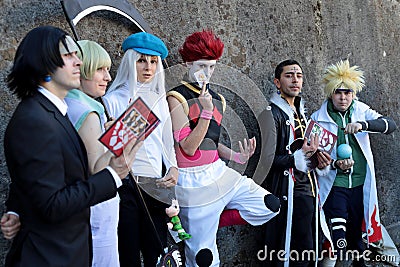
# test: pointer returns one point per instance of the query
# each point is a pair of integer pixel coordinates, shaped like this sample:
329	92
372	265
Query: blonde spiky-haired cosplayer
341	75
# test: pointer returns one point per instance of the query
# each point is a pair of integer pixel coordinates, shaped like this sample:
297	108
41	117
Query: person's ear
277	83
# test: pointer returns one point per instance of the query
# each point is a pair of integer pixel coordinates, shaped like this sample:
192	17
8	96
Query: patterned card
137	121
327	139
201	77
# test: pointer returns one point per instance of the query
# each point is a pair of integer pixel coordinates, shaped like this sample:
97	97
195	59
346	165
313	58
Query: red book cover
137	121
327	139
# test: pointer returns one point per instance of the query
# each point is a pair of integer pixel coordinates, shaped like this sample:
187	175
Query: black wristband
364	125
333	164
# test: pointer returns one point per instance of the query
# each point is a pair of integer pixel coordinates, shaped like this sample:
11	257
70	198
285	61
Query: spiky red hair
201	45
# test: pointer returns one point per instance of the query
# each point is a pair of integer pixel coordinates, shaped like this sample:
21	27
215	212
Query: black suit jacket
50	187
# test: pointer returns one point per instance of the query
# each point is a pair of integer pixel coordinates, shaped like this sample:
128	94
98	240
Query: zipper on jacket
347	142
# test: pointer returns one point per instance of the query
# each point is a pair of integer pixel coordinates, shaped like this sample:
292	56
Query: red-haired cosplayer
206	185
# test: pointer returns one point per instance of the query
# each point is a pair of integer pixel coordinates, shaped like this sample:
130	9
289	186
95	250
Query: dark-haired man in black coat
51	189
290	178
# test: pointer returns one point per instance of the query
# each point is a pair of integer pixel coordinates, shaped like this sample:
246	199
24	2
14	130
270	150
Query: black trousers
135	231
302	234
344	212
303	231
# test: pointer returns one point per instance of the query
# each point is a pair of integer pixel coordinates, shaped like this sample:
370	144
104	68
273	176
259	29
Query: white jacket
361	112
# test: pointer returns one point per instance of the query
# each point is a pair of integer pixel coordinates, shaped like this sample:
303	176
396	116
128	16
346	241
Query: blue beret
145	43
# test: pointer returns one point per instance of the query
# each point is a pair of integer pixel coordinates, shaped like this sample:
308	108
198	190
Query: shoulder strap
183	101
191	87
194	89
223	101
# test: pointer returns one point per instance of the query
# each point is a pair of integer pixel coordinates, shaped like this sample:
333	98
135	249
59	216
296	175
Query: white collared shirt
60	104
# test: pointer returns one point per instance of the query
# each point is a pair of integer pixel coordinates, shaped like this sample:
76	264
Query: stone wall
257	35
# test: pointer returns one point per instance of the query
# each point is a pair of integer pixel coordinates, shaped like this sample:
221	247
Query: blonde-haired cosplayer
342	76
348	192
93	56
88	117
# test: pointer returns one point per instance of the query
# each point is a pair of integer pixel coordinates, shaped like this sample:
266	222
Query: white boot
328	262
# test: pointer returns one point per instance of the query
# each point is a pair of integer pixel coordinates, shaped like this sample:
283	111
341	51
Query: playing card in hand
201	77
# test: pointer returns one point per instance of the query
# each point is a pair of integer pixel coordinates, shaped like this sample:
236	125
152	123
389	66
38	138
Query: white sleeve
114	174
117	101
168	150
371	114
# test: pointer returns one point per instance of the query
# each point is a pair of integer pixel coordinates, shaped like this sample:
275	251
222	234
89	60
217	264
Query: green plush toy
175	223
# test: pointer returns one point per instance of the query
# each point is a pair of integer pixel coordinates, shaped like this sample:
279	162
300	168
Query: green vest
357	176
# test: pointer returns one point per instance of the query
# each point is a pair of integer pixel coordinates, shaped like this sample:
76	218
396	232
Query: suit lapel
68	127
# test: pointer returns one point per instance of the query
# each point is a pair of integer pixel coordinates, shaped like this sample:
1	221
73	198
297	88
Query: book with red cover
137	121
327	140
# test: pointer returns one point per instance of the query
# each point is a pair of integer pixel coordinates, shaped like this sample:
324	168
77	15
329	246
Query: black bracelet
364	125
333	164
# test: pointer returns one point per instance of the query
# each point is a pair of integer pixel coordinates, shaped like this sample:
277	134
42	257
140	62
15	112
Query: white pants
105	256
202	221
104	224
